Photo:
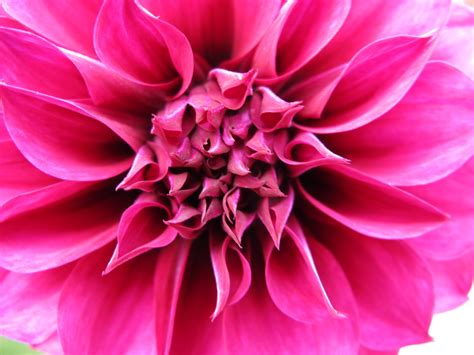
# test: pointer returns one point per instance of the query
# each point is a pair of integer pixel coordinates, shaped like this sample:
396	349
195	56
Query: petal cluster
221	177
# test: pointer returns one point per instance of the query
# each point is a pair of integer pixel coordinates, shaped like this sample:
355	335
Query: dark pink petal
301	30
61	142
452	280
366	351
29	302
230	88
17	175
372	83
455	45
150	50
218	29
231	271
304	152
169	274
378	19
57	224
142	228
367	205
67	22
392	286
48	70
411	144
452	195
292	279
118	308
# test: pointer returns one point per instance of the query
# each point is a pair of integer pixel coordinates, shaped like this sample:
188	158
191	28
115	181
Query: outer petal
218	29
17	175
428	135
67	22
29	302
61	142
374	81
30	62
452	194
301	30
150	50
455	45
57	224
117	308
367	205
392	286
372	20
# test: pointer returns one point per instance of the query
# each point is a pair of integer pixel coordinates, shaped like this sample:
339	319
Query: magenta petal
455	237
169	274
28	303
142	228
367	205
455	45
17	175
230	88
394	294
373	82
150	50
61	142
292	278
301	30
411	144
117	308
67	22
57	224
47	66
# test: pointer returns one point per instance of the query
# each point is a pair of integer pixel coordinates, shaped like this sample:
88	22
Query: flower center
212	155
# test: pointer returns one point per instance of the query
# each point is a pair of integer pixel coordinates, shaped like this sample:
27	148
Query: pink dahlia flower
234	177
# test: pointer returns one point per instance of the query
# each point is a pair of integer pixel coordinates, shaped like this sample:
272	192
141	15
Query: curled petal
367	205
187	221
230	88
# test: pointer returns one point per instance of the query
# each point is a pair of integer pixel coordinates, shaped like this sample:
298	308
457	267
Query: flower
222	177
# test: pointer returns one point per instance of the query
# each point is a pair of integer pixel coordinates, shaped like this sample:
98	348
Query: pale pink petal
69	23
47	66
29	302
394	294
117	308
367	205
452	195
374	81
61	142
218	30
456	45
57	224
150	50
301	30
412	144
51	346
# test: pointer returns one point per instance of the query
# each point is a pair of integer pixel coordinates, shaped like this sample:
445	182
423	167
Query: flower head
221	177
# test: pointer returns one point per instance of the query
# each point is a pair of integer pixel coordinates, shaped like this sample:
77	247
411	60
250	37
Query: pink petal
370	21
47	66
142	228
411	144
150	50
28	303
117	308
450	194
57	224
367	205
372	83
75	147
169	273
17	175
51	346
392	286
218	30
292	279
230	88
301	30
455	45
67	22
232	275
